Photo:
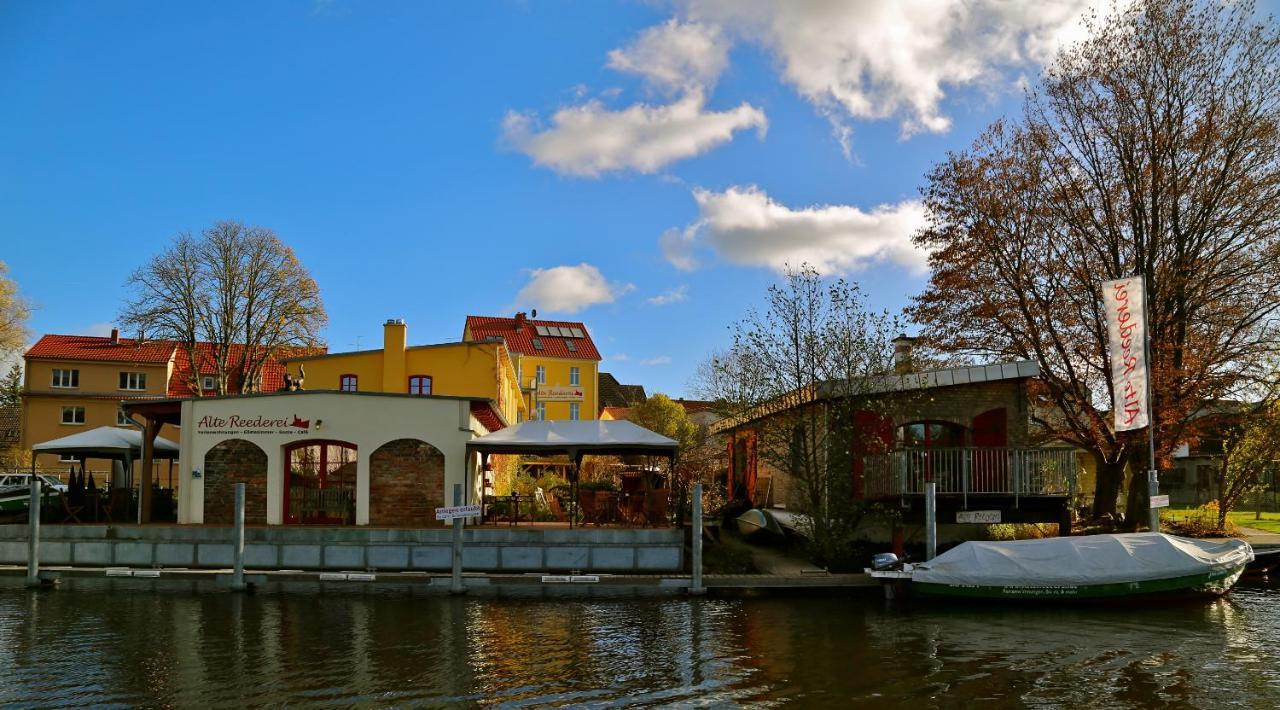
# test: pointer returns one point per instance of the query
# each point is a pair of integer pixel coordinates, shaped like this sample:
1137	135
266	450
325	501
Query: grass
1242	518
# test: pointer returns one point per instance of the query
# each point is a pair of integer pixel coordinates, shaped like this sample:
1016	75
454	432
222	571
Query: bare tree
794	375
1151	148
14	311
238	290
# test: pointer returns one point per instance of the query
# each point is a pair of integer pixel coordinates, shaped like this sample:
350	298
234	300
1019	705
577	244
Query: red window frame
354	382
415	385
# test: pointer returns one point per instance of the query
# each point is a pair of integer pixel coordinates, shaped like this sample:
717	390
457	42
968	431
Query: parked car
24	480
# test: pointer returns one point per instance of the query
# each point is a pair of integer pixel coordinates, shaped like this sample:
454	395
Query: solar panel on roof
577	333
542	330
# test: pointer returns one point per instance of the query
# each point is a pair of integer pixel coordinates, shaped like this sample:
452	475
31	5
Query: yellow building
556	363
530	369
465	369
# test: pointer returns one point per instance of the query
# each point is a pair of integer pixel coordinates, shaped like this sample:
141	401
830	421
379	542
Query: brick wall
959	404
406	484
230	462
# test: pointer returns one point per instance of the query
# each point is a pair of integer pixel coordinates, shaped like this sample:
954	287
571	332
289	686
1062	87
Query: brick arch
235	461
406	483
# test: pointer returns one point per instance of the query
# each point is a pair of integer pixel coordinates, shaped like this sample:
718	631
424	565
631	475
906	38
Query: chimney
903	362
394	340
519	321
115	336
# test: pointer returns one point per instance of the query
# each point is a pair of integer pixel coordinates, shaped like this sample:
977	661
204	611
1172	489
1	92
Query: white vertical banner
1127	330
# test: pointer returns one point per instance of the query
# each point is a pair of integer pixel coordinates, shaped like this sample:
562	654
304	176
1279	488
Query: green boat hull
1207	584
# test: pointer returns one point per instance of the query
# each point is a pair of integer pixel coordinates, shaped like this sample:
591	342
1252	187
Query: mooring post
1153	489
455	585
33	533
697	586
237	550
930	520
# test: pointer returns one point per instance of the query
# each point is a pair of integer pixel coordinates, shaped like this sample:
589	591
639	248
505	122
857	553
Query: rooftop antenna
357	342
533	313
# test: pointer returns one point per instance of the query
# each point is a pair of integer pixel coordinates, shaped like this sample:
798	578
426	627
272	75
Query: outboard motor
885	561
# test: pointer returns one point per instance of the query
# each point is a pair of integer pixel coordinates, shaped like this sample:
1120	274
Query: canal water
186	649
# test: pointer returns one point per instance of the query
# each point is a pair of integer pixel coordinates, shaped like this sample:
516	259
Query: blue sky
413	156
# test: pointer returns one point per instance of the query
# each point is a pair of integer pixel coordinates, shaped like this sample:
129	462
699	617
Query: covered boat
1088	567
757	525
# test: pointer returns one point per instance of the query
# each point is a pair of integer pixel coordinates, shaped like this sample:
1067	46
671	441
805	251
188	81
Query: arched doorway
406	484
320	483
230	462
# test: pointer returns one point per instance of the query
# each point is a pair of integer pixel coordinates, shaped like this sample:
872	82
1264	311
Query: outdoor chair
70	513
587	503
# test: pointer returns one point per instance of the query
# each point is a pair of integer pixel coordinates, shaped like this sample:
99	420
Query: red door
872	434
990	467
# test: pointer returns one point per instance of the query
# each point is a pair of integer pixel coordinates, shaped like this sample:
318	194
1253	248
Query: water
184	649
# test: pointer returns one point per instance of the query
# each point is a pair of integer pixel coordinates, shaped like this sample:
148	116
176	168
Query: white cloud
620	357
880	59
569	289
666	298
743	225
659	360
590	139
675	55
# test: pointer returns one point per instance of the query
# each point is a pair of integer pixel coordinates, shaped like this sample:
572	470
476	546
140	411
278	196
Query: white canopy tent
107	442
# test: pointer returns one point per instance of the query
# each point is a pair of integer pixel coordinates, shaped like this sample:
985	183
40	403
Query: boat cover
1085	560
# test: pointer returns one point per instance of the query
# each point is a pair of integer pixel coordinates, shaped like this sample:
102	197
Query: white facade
365	420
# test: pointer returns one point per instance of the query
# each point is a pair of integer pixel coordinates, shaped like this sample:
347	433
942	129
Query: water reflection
183	648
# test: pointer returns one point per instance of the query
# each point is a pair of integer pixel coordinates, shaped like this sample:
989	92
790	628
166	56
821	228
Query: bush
1201	522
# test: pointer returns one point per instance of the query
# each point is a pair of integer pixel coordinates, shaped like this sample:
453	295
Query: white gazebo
108	442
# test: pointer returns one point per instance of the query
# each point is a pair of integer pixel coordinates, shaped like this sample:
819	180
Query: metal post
697	586
237	550
33	533
455	585
1153	489
1153	475
930	520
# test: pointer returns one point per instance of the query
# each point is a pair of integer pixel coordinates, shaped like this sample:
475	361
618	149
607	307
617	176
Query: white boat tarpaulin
1124	300
1086	560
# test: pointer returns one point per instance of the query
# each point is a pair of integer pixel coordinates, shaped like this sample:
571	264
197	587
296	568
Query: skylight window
537	343
573	347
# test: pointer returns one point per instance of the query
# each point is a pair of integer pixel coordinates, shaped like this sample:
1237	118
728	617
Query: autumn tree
1250	452
795	373
237	288
1150	148
14	311
11	387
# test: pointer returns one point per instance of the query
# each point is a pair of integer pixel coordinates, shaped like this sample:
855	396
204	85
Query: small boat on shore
1088	567
757	525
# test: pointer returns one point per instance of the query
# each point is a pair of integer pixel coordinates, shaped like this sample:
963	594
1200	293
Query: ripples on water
78	647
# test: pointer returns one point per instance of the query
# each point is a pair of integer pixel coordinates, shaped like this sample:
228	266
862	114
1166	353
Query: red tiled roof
521	341
179	385
91	347
483	412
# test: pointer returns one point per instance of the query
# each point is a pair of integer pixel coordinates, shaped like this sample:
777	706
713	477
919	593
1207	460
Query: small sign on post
983	517
1159	502
458	511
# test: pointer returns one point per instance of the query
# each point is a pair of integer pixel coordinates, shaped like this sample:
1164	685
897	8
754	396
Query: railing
972	470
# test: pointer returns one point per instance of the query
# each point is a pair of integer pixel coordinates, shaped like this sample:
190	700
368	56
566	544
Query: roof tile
521	341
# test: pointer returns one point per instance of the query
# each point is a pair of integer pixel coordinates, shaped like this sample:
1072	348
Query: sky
648	168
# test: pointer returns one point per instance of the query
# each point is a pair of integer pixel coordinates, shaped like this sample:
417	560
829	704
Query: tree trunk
1110	476
1139	502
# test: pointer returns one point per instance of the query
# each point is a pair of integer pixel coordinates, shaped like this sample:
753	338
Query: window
541	372
121	419
347	383
537	343
575	376
73	415
420	384
575	410
206	382
66	378
930	435
572	346
133	380
542	411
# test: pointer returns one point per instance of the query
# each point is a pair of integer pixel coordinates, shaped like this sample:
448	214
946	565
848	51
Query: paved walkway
1259	538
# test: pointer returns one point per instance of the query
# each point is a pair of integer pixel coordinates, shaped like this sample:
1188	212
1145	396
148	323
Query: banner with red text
1127	331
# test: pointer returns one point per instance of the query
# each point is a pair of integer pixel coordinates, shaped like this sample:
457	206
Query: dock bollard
455	582
930	520
697	587
33	534
237	548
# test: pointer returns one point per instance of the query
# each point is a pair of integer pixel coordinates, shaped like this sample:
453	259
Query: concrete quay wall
388	549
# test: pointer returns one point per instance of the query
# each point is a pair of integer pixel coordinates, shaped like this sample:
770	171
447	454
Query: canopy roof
106	442
1090	559
575	438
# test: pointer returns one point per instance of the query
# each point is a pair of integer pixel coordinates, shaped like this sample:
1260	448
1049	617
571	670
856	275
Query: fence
972	470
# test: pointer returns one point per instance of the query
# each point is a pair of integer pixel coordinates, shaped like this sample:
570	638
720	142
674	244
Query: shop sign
556	393
251	424
1159	501
984	517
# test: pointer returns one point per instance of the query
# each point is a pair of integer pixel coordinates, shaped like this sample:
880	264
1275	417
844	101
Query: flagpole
1153	473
